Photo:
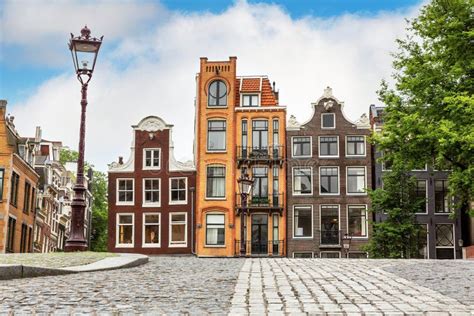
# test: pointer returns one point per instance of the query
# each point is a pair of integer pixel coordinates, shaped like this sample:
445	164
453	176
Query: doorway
259	234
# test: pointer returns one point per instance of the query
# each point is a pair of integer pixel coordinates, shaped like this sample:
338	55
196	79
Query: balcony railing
330	237
263	248
274	201
273	153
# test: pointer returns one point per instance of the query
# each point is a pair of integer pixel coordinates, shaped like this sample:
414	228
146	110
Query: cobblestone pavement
339	287
171	285
189	285
54	259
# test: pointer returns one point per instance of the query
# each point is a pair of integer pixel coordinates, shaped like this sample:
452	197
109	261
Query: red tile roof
256	84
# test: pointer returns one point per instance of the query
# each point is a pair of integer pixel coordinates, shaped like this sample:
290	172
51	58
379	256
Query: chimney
276	94
3	104
120	160
38	134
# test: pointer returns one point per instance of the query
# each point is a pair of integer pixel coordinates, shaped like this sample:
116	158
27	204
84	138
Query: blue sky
151	54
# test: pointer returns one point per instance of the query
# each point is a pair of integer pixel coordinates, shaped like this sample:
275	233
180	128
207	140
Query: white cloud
350	53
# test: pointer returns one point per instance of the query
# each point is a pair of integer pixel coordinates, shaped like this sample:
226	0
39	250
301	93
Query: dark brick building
151	196
441	234
329	168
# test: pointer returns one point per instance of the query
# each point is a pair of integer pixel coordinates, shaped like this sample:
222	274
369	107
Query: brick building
18	187
151	196
239	128
441	233
329	169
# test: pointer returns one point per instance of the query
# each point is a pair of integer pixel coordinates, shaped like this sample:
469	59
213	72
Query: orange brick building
240	127
18	186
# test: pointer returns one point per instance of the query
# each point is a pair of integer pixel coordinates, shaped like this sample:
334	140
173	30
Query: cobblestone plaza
180	285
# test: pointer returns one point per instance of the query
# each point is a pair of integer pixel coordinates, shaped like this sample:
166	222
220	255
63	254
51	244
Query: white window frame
117	202
170	201
347	180
312	222
366	221
293	181
151	204
338	220
206	245
242	95
338	252
326	156
338	181
225	136
310	147
151	245
117	231
210	198
365	146
426	197
170	225
311	252
144	166
334	115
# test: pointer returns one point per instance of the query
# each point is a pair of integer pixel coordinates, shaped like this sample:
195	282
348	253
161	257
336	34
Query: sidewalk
14	271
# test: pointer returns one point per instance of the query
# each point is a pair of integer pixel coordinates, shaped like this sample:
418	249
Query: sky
150	56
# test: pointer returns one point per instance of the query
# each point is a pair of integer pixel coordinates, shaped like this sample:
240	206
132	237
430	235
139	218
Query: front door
259	234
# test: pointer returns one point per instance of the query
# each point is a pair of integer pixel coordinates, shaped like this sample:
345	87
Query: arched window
217	95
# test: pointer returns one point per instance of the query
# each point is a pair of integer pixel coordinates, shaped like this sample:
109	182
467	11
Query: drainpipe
193	250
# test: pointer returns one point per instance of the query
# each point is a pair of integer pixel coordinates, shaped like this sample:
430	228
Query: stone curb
15	271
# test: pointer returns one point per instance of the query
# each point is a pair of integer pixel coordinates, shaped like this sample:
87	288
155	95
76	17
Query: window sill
329	157
301	157
125	203
215	199
356	194
304	194
329	194
151	246
151	168
216	151
178	246
177	202
356	156
124	246
303	238
151	205
215	246
217	107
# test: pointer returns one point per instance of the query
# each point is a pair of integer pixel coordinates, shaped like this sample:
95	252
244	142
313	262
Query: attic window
328	120
250	100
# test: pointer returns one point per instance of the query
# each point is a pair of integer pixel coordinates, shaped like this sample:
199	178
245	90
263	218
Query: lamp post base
75	245
76	240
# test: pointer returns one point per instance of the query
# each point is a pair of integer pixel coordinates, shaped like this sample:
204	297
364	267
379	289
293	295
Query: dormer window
328	120
250	100
217	95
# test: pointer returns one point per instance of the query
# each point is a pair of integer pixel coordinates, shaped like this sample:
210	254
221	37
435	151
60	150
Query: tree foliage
430	111
99	203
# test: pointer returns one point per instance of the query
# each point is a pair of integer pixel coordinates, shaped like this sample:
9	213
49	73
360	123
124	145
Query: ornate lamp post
84	50
346	243
245	186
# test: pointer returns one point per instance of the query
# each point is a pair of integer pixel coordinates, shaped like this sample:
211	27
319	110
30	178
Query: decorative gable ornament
152	124
328	105
363	121
293	123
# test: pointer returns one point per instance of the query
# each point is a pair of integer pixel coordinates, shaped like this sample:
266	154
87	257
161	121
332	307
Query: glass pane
178	233
215	219
328	120
152	219
125	234
303	224
125	219
152	234
178	217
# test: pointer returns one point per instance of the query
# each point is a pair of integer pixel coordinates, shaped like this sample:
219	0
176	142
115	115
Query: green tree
397	236
99	204
430	111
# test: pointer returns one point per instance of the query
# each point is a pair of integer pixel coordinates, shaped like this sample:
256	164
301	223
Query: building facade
329	170
441	233
18	187
151	196
239	129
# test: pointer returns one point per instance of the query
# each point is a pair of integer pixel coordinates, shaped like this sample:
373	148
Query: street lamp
84	50
245	187
346	243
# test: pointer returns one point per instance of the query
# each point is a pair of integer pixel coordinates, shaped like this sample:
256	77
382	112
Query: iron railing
273	201
271	153
263	248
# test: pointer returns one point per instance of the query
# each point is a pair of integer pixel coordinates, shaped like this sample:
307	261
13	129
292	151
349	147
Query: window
11	234
217	95
125	230
14	185
259	134
276	186
216	135
178	224
215	182
151	192
328	146
422	242
302	181
303	222
301	146
2	177
125	191
26	200
250	100
244	152
151	229
330	254
151	158
357	220
356	180
441	196
275	234
444	241
330	225
355	146
33	198
302	255
260	185
178	190
215	229
276	138
420	194
329	180
24	238
328	120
